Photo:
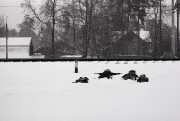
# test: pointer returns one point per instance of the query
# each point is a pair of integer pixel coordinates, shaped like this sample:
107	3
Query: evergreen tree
12	33
2	27
27	27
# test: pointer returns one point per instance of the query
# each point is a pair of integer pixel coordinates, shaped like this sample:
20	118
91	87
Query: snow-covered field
45	92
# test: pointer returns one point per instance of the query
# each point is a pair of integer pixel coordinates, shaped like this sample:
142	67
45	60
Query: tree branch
33	10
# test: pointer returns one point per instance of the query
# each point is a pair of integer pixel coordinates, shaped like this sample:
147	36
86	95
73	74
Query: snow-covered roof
145	35
44	45
72	56
16	41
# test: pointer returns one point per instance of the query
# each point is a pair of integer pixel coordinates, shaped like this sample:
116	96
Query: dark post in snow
6	39
76	66
178	28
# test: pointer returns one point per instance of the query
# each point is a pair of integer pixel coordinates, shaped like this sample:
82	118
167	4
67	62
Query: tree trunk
74	30
53	27
86	36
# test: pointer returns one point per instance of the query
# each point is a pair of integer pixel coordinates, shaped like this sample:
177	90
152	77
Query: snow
71	56
45	92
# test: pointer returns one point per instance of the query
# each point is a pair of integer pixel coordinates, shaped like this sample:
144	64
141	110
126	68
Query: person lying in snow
107	74
143	78
131	75
82	80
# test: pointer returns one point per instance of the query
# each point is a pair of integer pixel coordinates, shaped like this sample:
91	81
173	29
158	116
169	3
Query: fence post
76	66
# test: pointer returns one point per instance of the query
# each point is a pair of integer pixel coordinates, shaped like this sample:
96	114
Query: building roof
43	46
62	43
168	55
16	41
144	35
129	37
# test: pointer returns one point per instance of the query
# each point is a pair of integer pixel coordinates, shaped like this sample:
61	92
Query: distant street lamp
6	38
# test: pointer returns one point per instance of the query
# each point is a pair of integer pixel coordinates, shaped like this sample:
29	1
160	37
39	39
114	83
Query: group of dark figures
133	76
108	74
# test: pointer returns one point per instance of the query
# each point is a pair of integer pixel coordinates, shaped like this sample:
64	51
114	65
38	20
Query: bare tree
47	16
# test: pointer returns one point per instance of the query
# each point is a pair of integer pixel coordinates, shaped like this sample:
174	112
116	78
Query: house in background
62	49
18	47
133	45
43	50
65	48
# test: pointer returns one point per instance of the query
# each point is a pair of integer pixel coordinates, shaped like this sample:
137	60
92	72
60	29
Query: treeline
91	25
25	28
12	32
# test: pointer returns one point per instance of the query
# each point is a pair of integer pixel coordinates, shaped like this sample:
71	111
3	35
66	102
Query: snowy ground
45	92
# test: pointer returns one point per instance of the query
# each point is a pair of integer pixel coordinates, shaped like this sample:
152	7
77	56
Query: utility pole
53	20
177	28
6	38
173	42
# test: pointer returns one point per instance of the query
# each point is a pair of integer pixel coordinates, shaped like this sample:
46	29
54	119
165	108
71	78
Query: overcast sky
15	14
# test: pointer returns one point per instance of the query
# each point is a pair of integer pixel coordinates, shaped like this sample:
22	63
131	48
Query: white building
18	47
